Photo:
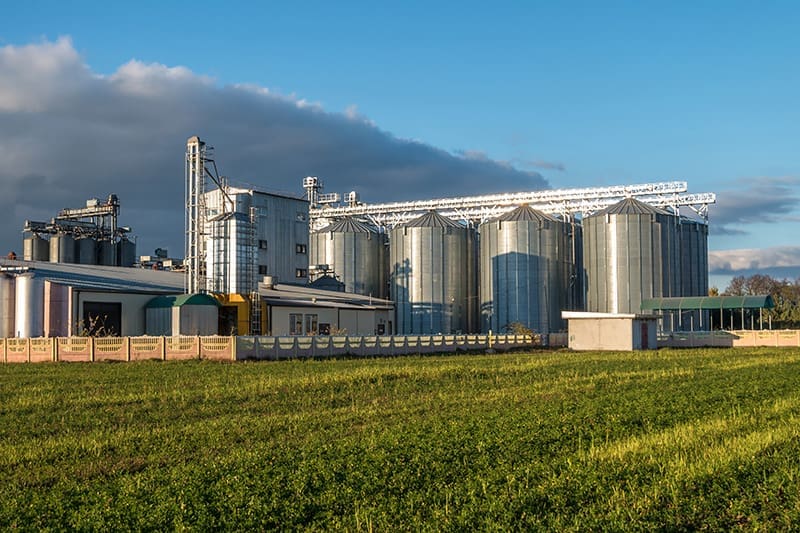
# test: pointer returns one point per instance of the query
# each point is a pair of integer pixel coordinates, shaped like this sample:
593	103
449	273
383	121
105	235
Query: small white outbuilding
611	331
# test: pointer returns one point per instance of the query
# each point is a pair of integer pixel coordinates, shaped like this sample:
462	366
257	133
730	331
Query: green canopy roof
760	301
181	300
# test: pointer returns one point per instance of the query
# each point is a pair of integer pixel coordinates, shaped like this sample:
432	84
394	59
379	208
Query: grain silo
35	248
523	271
631	251
433	276
106	252
126	252
86	250
356	253
62	248
694	270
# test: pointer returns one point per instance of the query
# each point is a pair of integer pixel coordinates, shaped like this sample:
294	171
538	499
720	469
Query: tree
785	294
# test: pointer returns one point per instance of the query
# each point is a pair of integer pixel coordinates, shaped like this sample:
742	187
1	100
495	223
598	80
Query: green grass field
683	439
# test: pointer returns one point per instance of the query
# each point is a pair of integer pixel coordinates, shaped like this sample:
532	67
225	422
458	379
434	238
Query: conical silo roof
525	213
432	219
631	206
348	225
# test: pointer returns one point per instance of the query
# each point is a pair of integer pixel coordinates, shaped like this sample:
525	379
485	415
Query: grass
676	440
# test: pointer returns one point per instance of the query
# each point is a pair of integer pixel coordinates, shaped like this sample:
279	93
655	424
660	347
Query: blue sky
579	93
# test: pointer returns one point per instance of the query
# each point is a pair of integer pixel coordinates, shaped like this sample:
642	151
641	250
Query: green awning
685	303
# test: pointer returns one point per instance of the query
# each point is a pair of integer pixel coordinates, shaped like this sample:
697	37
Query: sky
406	101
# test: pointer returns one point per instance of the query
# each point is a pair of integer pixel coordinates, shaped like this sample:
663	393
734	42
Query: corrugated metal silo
694	271
433	279
126	252
523	271
35	248
356	252
29	306
86	250
7	304
106	253
62	248
631	252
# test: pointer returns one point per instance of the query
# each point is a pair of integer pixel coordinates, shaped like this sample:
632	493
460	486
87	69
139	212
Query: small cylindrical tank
29	306
7	305
433	276
62	248
35	248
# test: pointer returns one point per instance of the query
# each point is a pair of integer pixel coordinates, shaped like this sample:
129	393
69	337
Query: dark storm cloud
68	134
758	200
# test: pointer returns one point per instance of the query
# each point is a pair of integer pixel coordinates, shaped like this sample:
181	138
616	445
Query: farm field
673	439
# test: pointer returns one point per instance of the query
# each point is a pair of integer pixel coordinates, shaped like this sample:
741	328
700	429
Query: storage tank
694	271
7	304
35	248
126	252
62	248
86	251
356	252
631	252
523	271
106	253
433	277
29	306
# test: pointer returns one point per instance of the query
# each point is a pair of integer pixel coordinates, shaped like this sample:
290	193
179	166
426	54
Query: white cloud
725	261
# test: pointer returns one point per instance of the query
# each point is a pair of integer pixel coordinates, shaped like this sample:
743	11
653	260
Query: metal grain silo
35	248
126	252
694	271
523	271
86	250
631	252
7	304
356	252
433	276
62	248
29	306
106	253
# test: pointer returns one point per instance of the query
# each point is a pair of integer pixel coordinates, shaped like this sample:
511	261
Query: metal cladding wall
86	248
35	248
62	249
356	252
433	277
29	306
524	271
7	304
631	251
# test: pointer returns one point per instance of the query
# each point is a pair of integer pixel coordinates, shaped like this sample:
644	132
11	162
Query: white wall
132	309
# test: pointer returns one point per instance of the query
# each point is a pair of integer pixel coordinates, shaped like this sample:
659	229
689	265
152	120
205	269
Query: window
311	325
300	248
262	270
295	324
301	273
262	244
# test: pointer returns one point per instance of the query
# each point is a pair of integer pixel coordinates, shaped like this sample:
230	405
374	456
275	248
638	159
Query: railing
88	349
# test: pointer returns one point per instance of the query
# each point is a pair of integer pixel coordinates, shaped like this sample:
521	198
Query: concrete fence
744	338
88	349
